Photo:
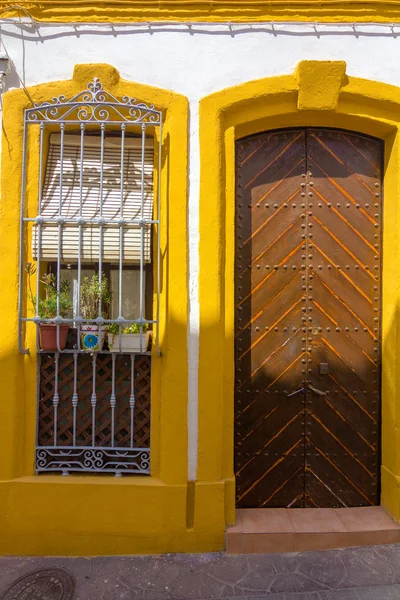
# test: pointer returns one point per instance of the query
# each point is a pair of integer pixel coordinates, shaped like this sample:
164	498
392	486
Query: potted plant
92	291
48	309
130	338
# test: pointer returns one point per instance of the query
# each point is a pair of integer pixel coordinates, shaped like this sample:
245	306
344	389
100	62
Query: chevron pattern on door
307	330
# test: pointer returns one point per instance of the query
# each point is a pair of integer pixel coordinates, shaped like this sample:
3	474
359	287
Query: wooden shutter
90	189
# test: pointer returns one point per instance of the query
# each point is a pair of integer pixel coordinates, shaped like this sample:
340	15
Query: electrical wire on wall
7	58
231	28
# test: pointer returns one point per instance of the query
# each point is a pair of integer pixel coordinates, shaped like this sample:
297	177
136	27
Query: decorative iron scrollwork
94	104
97	460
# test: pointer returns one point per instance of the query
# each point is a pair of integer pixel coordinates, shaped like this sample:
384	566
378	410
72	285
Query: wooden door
307	330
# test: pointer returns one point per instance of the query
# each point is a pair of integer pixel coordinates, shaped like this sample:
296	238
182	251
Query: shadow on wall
32	33
27	407
11	78
18	412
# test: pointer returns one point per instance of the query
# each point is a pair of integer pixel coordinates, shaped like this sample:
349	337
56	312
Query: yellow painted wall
82	514
318	94
206	10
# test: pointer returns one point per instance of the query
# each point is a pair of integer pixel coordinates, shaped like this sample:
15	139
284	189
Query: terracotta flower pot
48	336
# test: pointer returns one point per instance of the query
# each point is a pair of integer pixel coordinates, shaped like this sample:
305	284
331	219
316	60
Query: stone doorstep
268	530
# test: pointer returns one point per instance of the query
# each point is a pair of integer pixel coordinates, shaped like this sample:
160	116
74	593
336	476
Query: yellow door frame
317	94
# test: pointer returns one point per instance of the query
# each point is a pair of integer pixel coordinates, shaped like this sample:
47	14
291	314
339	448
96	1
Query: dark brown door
307	332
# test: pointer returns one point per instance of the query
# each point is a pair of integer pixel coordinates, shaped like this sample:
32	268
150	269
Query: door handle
313	389
302	389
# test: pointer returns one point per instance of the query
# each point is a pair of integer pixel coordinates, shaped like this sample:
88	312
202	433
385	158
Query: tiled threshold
260	530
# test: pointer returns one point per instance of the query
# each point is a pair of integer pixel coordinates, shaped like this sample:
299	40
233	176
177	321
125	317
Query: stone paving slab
389	592
364	573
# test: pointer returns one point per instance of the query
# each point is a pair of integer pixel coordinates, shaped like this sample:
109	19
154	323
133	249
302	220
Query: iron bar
158	240
56	397
141	269
121	235
95	106
113	400
93	399
75	398
78	121
102	130
103	222
74	350
132	399
60	230
80	224
39	363
21	245
71	320
39	232
39	226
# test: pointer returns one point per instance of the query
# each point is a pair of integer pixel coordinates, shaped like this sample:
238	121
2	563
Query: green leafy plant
134	328
48	304
92	291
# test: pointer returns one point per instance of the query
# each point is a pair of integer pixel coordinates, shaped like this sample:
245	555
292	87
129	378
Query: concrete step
265	530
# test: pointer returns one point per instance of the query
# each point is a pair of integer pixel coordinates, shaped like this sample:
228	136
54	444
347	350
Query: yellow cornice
356	11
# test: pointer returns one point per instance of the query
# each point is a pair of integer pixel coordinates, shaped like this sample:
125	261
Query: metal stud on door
344	217
307	287
270	343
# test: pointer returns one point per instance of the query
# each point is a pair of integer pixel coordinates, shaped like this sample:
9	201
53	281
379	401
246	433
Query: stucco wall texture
196	60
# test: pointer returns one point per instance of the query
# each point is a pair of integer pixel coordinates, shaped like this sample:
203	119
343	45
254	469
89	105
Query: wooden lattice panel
84	431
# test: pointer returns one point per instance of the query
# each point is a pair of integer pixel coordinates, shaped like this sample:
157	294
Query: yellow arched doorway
318	94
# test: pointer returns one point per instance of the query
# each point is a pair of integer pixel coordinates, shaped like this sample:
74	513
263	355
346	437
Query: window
95	242
88	187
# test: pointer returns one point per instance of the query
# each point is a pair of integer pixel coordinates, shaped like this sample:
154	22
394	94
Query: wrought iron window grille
95	205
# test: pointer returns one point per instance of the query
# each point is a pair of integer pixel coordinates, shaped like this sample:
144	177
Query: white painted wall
196	64
196	61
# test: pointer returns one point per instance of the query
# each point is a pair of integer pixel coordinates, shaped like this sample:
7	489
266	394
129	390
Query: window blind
62	195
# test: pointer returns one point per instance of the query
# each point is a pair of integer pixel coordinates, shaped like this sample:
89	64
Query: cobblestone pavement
367	573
